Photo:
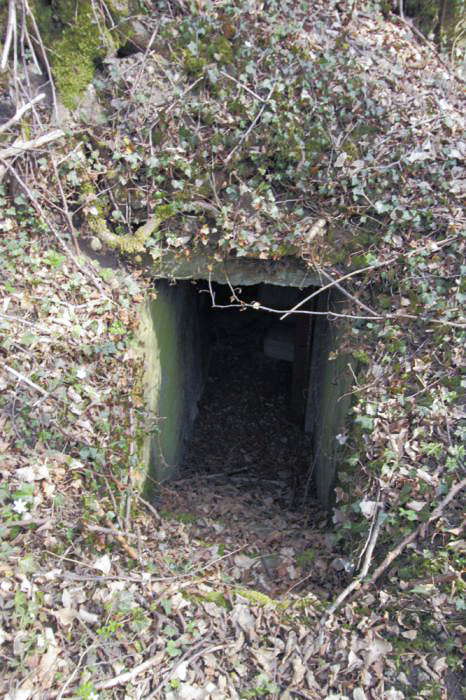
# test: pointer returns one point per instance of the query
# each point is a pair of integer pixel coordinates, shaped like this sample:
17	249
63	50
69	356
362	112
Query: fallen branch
25	522
129	676
11	28
246	134
183	662
27	381
436	513
19	113
391	556
130	551
20	146
356	582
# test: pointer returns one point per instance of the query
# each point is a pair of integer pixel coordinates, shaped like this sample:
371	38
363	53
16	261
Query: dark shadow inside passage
251	420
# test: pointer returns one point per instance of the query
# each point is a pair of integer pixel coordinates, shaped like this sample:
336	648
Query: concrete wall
328	398
175	371
176	362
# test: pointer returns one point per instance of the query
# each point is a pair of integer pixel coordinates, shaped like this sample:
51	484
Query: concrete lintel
286	272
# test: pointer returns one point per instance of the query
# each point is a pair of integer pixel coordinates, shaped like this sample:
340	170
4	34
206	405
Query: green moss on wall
76	38
95	208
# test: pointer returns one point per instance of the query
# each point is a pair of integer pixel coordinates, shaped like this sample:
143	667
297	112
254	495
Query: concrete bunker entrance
251	419
240	392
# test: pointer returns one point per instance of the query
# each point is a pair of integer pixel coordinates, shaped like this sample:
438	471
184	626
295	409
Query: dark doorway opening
250	410
251	420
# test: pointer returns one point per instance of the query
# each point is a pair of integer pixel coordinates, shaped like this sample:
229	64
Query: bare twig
144	58
243	86
442	578
216	561
69	680
66	210
19	113
149	506
25	522
130	551
52	228
371	529
26	380
70	576
44	56
184	662
431	46
356	582
298	584
20	146
108	530
16	319
26	36
436	513
10	30
391	556
238	303
129	676
333	283
338	286
246	134
257	306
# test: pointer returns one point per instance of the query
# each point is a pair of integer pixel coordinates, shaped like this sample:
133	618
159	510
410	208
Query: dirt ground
245	478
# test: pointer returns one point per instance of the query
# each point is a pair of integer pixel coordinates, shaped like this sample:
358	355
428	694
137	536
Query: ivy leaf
171	649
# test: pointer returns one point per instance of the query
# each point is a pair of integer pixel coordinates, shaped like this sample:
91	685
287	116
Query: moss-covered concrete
175	369
287	272
328	399
95	209
174	374
78	39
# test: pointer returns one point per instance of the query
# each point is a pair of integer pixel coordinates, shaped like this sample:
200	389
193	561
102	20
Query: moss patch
209	597
306	557
77	40
185	518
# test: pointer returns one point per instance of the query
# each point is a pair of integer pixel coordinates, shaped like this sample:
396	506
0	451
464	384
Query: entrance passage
237	391
250	425
247	421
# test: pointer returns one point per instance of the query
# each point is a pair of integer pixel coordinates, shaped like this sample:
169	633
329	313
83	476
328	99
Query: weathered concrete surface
176	360
328	400
174	374
286	272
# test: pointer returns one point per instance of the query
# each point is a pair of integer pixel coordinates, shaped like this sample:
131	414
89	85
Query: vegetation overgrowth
336	135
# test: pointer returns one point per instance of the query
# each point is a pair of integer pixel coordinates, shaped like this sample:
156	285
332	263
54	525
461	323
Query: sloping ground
263	132
217	594
245	477
105	595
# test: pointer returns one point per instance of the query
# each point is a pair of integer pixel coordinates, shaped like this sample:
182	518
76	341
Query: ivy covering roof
265	133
